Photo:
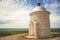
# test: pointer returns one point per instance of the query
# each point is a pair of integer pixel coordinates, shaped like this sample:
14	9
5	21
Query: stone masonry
41	27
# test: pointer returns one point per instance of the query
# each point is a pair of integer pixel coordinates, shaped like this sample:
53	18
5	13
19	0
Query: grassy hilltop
12	31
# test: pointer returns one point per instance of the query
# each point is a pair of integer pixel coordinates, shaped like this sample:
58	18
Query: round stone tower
39	25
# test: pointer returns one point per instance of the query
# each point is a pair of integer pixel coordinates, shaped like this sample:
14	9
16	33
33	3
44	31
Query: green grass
13	32
19	32
55	30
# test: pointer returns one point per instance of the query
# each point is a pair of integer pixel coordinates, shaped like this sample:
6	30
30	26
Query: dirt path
20	37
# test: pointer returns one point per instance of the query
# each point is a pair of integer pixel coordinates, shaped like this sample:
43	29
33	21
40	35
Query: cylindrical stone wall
42	23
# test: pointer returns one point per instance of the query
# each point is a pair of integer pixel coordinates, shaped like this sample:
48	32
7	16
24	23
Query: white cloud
16	11
52	7
9	9
54	18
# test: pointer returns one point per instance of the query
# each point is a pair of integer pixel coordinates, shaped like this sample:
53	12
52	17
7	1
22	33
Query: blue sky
15	13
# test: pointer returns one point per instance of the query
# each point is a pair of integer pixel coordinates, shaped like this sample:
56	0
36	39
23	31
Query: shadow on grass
56	35
5	34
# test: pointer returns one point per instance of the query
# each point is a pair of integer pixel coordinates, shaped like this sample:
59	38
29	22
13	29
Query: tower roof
39	8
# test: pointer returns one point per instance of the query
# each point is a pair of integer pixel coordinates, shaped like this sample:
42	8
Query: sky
15	13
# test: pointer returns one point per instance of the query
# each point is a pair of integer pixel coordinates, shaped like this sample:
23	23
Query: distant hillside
55	29
17	29
13	28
